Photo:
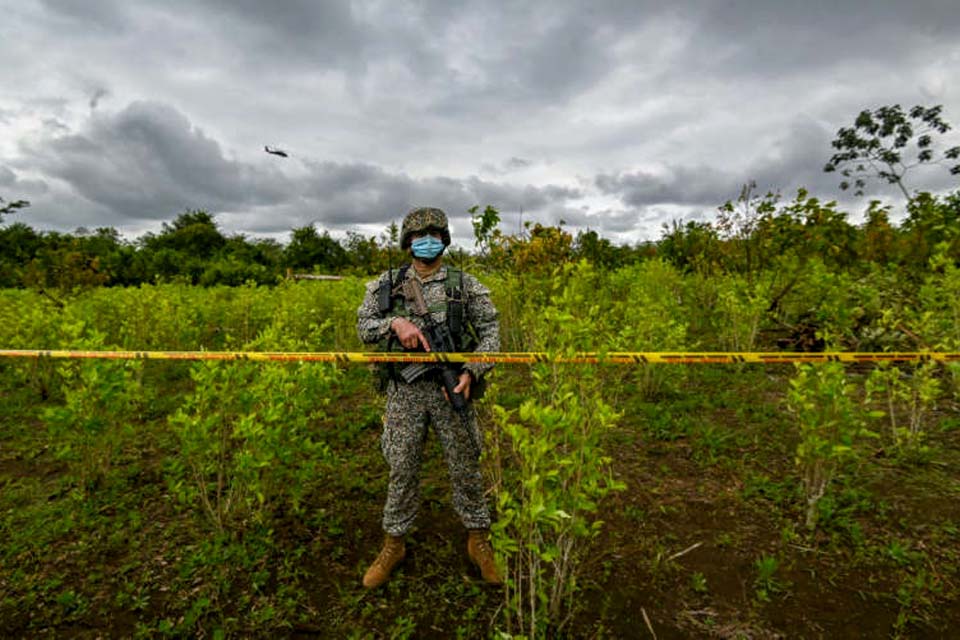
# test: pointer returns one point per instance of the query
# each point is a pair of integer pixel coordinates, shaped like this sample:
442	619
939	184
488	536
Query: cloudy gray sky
617	116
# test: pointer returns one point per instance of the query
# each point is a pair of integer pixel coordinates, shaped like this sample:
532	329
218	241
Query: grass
707	539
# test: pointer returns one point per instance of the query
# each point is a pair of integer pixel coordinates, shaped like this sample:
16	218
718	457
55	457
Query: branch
12	207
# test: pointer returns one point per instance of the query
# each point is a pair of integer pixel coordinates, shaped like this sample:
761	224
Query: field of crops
242	499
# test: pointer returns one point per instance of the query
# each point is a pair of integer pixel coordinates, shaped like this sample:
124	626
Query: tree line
191	249
749	235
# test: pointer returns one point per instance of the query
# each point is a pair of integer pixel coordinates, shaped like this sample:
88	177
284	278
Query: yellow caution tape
613	357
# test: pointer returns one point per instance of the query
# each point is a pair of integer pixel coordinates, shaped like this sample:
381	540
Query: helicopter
276	151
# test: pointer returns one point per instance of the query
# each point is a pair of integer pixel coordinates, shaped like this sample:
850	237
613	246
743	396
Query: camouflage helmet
422	219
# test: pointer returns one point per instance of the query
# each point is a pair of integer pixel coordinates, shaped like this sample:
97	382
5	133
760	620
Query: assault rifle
440	340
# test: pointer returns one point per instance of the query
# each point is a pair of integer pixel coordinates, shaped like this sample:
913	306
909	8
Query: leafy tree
308	250
879	241
547	248
601	251
391	236
19	243
194	233
114	255
876	144
825	231
260	251
233	272
484	226
64	263
365	255
693	246
931	221
182	248
741	223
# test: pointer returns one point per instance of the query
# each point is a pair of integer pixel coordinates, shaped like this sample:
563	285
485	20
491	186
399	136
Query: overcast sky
617	116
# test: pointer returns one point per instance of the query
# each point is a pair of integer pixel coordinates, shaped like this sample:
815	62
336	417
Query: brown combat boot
481	553
392	553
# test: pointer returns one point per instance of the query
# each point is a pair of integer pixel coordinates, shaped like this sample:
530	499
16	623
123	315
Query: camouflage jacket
373	327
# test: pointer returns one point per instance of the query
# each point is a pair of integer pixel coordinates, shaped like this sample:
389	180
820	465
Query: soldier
390	316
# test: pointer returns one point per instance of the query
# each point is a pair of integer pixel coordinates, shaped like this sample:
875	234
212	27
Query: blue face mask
427	247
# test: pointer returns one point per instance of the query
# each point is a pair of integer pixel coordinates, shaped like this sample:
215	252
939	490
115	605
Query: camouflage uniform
412	406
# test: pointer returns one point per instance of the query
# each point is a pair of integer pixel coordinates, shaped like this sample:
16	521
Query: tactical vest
393	303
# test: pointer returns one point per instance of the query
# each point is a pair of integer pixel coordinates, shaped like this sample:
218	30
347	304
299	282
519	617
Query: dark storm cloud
793	161
515	198
148	161
538	51
229	41
703	95
678	184
345	195
540	56
7	177
16	188
301	33
564	58
301	20
102	15
606	220
796	161
770	39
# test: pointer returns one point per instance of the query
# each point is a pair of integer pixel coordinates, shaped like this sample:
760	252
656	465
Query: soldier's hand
464	387
409	334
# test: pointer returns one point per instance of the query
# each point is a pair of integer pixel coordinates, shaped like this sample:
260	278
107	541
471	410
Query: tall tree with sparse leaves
887	143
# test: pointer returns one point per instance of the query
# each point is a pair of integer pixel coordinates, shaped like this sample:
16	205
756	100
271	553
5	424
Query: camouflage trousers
410	409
